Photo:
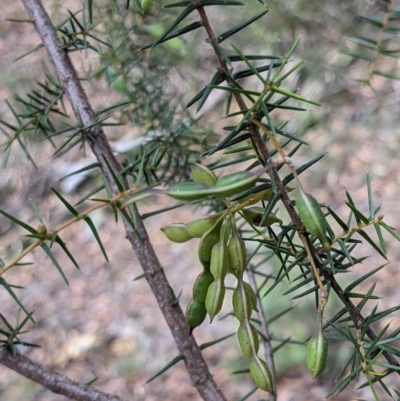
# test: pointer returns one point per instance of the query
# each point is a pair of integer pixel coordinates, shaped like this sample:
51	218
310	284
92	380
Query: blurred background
105	324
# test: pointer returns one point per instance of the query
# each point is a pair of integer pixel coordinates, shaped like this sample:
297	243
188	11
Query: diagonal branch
52	380
154	273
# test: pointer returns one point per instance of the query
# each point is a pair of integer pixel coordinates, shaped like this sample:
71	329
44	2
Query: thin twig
70	222
52	380
197	368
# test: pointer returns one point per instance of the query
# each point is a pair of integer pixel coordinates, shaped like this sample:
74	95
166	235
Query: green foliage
313	245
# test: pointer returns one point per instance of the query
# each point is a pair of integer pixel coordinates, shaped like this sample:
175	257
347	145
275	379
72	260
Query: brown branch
52	380
197	368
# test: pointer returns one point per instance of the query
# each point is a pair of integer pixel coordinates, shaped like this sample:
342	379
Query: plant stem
53	380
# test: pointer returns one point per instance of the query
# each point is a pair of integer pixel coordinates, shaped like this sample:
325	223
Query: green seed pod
252	295
254	215
317	353
261	374
207	242
201	285
219	260
195	314
196	228
237	253
312	216
202	174
215	298
146	6
235	183
177	232
241	303
188	191
248	339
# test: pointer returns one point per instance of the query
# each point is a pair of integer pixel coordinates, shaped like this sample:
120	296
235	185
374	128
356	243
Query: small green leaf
175	34
54	260
239	27
190	7
117	180
173	362
372	243
235	90
293	95
391	230
380	237
362	278
19	222
96	235
65	202
8	288
66	250
341	223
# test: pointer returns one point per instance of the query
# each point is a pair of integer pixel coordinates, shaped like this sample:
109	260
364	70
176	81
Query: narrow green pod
261	374
196	228
188	191
200	288
252	295
317	353
215	298
177	232
237	253
219	260
312	216
248	339
235	183
207	242
202	174
195	314
241	303
254	215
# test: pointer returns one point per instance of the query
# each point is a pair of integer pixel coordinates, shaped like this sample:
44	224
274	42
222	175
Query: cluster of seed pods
221	251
